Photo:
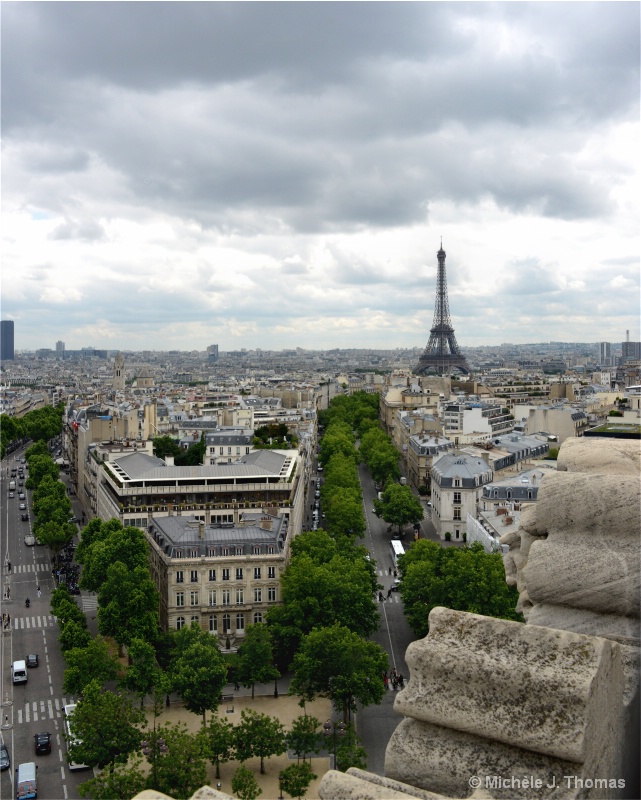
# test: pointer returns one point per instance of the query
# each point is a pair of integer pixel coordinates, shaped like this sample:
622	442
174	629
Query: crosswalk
40	710
90	603
40	621
18	569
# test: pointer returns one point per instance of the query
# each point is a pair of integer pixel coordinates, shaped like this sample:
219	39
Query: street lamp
153	749
335	728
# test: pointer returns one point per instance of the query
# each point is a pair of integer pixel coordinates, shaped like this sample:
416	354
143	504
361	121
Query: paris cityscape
320	401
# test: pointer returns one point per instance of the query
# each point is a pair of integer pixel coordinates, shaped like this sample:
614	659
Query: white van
27	782
19	672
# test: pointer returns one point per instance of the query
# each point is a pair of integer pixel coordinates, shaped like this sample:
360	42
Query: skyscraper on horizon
442	354
7	352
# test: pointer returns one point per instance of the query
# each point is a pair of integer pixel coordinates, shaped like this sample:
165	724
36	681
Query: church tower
119	373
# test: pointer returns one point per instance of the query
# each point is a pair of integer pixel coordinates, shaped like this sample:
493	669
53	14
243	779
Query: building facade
457	487
223	576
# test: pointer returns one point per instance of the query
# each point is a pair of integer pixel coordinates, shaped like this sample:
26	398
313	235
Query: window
229	451
211	552
247	451
256	550
180	623
256	573
271	550
239	551
258	618
193	553
222	450
195	618
226	597
239	573
193	598
194	576
258	595
225	574
240	622
226	623
271	572
240	595
225	551
180	599
180	577
457	513
238	451
212	597
457	481
212	574
271	594
213	624
457	497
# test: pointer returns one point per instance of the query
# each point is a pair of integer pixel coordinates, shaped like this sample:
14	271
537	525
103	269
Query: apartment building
467	422
137	487
457	487
560	421
223	576
423	450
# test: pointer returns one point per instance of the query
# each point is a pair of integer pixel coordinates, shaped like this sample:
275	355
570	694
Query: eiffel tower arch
442	354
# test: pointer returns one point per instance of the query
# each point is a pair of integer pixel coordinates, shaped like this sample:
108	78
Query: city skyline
280	175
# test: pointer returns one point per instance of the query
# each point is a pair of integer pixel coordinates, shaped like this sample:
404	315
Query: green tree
334	662
255	658
39	467
85	664
122	782
36	449
218	739
296	778
166	446
144	676
105	728
182	770
258	735
305	736
128	604
73	636
244	784
350	752
399	506
114	544
318	595
344	513
198	675
465	579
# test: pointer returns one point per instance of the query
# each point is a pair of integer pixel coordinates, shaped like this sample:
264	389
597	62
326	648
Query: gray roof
459	466
260	463
184	531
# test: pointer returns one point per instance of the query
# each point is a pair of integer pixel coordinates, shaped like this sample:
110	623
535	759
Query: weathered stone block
454	763
534	688
605	456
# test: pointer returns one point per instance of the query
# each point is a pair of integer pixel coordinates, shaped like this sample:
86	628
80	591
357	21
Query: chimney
169	461
266	523
201	529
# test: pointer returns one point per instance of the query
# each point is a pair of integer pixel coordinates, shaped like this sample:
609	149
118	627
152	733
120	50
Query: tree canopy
465	579
399	506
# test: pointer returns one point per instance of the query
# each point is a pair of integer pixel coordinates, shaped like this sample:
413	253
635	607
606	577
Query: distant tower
6	340
442	353
119	373
60	349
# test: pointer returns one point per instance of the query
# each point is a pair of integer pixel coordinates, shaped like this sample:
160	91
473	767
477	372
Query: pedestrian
9	565
236	686
39	592
401	680
394	682
8	620
395	574
390	570
386	679
8	592
389	593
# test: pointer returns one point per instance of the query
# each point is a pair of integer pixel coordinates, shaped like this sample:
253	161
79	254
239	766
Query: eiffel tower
442	354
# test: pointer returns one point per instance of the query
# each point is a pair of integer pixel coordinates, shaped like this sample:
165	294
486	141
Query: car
5	761
25	516
11	494
30	540
43	743
74	519
23	507
21	496
396	586
32	660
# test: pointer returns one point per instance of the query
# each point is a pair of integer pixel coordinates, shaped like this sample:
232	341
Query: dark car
25	516
43	743
32	660
5	761
74	519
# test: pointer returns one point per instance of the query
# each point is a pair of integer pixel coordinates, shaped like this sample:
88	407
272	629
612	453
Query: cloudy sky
280	174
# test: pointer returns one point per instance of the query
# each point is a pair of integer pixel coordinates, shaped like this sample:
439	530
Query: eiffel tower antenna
442	354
